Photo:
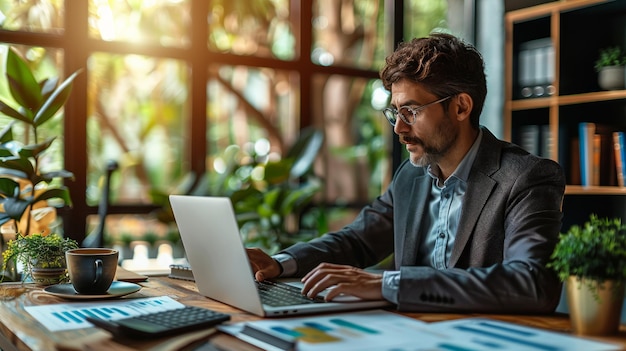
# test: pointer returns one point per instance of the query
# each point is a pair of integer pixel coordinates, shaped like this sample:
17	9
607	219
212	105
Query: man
471	220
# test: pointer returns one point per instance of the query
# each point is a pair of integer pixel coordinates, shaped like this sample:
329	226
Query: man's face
434	132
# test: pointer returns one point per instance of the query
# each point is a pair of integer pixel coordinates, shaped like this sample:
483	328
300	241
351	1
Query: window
170	87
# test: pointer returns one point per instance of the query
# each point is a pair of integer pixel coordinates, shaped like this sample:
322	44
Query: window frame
78	46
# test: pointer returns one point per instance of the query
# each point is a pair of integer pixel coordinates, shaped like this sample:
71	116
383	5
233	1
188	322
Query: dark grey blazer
508	228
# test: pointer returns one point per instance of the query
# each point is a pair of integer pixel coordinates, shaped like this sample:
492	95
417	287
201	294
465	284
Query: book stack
599	155
536	68
536	139
181	271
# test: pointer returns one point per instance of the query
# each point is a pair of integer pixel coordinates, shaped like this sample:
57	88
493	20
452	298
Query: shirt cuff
287	263
391	285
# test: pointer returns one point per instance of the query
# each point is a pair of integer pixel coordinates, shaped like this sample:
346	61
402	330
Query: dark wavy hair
443	64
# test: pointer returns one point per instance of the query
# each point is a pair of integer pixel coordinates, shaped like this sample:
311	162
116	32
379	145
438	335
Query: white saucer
117	289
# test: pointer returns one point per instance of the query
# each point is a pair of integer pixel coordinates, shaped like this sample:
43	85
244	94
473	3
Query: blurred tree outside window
262	28
246	104
38	16
146	92
355	162
348	33
137	113
424	16
159	22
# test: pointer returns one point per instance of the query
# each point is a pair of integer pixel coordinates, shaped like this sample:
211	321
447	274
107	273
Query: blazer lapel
418	204
479	188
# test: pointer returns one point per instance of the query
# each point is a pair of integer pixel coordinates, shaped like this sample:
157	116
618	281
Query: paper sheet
366	330
482	333
67	316
385	331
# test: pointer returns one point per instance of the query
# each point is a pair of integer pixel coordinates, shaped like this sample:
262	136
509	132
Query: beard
444	137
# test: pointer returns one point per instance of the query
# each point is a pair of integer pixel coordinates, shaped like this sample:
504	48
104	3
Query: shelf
592	97
542	10
594	190
528	104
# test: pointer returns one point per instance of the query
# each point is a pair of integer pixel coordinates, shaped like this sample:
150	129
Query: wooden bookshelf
577	30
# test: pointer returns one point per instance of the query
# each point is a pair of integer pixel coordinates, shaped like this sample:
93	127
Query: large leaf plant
24	185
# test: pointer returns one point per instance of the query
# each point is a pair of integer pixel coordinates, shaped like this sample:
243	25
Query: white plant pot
611	78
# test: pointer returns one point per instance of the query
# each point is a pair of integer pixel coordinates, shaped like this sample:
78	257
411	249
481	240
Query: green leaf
9	149
48	176
34	150
9	187
13	173
22	84
9	111
305	151
297	199
15	207
21	165
277	172
6	134
62	193
55	101
48	85
4	218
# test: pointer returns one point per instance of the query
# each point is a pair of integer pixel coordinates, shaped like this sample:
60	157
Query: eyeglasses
408	114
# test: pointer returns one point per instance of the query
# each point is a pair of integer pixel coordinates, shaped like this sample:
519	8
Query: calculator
179	320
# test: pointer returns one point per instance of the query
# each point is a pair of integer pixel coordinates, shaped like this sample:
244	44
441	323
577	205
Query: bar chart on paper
385	331
330	331
69	316
366	330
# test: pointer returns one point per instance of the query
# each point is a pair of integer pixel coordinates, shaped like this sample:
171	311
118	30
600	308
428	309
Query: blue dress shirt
444	212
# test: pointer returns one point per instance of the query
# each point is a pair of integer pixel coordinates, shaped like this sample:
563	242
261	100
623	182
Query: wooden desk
20	331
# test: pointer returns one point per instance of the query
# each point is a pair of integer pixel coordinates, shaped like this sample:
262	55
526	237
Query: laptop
218	259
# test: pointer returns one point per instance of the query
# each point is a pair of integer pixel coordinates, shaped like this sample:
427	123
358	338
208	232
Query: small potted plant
610	68
591	260
42	256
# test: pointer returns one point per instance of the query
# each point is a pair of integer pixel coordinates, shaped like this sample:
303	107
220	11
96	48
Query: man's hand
342	279
263	266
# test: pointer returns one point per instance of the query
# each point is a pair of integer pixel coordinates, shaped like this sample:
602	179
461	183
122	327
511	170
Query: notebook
217	256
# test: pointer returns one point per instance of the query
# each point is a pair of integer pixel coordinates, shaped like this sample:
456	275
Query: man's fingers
259	276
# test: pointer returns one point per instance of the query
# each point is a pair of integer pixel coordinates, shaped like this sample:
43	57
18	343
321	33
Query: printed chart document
68	316
365	330
489	334
387	331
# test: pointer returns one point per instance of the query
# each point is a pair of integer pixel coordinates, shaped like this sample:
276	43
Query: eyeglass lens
392	115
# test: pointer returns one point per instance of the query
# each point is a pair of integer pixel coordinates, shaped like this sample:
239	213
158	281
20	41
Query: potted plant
29	192
42	256
591	260
610	68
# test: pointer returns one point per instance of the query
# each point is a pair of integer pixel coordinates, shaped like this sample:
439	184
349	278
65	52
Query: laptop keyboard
282	294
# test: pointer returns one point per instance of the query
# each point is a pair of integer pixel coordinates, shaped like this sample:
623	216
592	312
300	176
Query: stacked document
382	330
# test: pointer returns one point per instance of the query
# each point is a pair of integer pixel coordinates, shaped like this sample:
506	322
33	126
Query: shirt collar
463	169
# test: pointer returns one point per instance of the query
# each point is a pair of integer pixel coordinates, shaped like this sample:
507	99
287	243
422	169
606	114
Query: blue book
586	130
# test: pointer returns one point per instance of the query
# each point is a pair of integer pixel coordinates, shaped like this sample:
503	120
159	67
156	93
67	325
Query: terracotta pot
594	313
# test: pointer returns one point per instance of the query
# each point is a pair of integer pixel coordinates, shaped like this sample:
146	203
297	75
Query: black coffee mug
91	270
